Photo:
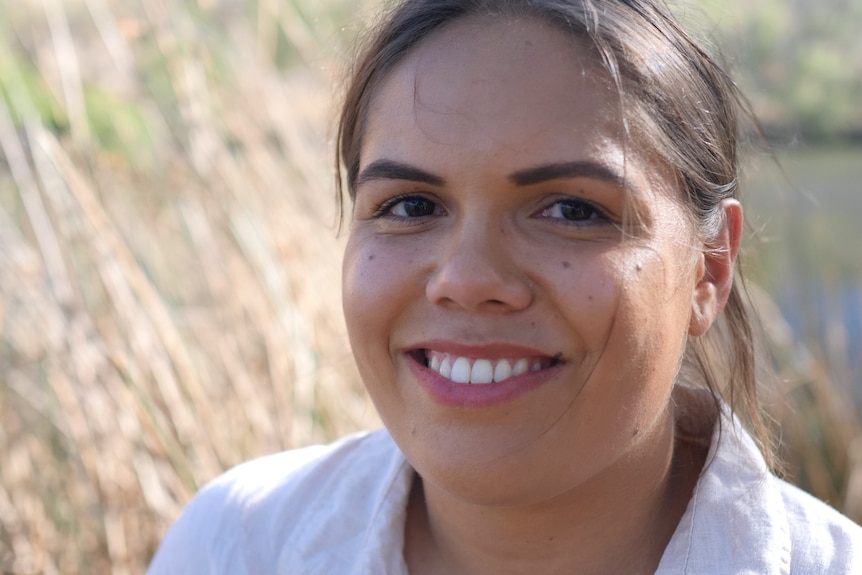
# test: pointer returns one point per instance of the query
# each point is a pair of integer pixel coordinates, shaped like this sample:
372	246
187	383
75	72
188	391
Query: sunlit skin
488	223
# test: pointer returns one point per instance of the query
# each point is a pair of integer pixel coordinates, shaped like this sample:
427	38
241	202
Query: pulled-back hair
674	97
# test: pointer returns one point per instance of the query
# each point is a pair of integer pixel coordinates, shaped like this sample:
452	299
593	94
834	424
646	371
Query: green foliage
800	62
24	91
118	126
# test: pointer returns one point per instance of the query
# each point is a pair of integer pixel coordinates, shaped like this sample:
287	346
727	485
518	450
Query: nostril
480	285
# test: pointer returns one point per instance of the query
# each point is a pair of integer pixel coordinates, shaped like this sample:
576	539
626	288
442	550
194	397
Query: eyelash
595	214
385	209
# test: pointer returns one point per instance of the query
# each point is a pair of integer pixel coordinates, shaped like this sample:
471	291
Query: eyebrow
579	169
392	170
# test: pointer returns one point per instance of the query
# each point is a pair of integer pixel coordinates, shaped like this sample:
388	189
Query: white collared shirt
340	510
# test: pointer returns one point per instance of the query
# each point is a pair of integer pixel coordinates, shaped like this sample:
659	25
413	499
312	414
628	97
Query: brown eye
576	211
572	210
407	207
414	208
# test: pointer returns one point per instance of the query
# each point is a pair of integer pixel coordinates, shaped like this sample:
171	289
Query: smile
467	370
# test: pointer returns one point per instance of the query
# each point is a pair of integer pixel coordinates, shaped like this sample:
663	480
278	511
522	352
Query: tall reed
169	265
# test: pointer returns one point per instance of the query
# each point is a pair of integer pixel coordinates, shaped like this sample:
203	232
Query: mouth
481	371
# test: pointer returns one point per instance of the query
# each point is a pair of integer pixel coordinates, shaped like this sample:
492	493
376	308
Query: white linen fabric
340	510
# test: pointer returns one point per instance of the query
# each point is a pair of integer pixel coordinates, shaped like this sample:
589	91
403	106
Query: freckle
589	298
371	257
636	431
566	265
413	430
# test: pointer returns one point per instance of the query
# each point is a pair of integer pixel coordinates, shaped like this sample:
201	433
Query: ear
715	270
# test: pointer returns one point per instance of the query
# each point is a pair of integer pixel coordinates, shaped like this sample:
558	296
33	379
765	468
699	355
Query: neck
619	521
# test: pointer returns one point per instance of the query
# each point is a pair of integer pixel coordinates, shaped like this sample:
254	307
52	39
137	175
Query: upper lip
485	350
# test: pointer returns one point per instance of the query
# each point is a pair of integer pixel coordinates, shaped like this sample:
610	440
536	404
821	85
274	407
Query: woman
543	236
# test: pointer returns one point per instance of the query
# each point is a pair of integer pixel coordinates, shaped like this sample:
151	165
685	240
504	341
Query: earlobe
715	270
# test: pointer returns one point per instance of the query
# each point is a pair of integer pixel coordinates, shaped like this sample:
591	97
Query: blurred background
170	256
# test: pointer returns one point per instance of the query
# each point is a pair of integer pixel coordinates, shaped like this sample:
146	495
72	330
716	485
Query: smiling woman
543	235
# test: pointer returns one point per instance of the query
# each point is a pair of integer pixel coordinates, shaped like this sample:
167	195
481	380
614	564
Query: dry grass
811	405
169	271
170	296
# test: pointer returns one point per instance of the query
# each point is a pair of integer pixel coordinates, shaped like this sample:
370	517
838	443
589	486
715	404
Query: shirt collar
735	521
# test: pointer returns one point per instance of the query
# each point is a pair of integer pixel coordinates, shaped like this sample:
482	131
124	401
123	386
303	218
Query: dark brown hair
674	96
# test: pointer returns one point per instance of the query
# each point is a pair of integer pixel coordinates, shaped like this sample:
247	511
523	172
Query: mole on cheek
566	265
371	257
639	266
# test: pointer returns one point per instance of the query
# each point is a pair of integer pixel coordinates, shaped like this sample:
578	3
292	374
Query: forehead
484	80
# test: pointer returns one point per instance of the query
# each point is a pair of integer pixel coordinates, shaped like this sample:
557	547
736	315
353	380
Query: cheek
379	282
635	309
382	283
364	268
638	342
585	289
655	306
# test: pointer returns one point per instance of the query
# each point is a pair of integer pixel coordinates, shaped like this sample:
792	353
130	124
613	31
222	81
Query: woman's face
517	340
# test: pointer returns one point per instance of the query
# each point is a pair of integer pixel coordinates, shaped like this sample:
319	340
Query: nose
476	271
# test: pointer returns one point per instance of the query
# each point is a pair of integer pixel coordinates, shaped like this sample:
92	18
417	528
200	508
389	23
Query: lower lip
480	395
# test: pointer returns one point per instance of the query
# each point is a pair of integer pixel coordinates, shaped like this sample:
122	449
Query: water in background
807	212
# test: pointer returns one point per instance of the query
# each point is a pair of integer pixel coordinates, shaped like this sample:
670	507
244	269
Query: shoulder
822	540
304	473
743	519
239	522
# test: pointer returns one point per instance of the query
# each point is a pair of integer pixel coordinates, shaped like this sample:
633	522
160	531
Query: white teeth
503	370
465	370
482	372
461	370
445	368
